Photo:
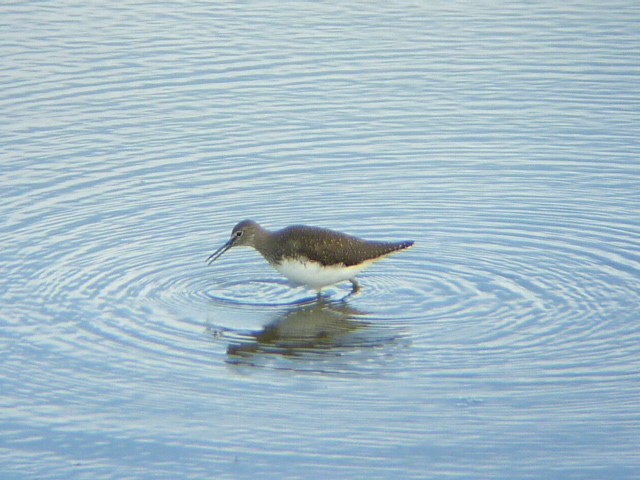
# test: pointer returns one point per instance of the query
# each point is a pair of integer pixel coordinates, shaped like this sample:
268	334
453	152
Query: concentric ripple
502	284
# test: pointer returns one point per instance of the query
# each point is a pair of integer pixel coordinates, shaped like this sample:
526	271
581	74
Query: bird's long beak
215	255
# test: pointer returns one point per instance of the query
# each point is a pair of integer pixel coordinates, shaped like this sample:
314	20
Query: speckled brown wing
326	246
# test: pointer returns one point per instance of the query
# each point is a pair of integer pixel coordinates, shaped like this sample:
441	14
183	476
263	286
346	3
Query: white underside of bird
307	272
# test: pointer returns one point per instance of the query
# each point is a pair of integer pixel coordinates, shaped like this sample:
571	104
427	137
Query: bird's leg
356	287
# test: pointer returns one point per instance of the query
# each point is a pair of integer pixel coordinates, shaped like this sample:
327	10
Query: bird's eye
239	233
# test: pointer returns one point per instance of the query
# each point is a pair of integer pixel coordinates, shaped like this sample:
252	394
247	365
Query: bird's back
326	246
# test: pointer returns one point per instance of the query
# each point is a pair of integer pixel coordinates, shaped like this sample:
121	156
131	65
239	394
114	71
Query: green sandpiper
313	256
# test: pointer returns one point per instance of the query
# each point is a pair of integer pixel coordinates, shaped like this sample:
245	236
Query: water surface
502	139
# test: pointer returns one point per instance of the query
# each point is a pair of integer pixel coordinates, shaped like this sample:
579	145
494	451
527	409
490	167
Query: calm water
503	139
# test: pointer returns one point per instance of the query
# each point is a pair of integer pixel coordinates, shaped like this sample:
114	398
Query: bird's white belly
313	274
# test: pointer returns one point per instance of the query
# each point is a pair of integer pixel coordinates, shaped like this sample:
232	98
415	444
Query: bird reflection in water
321	325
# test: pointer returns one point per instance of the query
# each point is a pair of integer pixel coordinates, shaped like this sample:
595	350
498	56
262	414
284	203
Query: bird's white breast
307	272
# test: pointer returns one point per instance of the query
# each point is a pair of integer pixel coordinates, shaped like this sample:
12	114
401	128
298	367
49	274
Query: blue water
501	138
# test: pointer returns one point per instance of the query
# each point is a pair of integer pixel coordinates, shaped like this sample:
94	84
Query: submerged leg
356	287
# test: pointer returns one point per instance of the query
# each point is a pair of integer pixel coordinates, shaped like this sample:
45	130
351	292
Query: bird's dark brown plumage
325	246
